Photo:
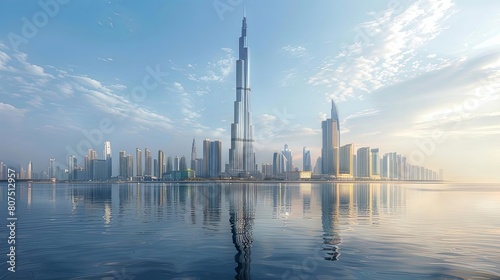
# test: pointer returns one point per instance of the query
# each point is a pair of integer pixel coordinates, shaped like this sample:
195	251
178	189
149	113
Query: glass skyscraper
241	153
330	144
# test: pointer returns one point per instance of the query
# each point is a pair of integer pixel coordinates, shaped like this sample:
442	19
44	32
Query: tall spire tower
241	154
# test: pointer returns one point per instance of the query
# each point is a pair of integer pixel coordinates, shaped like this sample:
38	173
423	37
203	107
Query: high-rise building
346	164
148	164
375	163
306	159
160	164
155	168
318	169
169	165
29	174
211	165
138	160
52	168
287	153
215	159
130	166
363	157
241	153
123	164
330	144
71	168
99	170
267	169
193	155
183	164
108	158
91	155
176	163
279	163
206	158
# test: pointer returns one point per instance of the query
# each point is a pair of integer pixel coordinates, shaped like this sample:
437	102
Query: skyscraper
279	163
306	160
71	168
287	153
176	163
52	168
215	159
160	164
206	158
330	144
183	164
148	165
169	165
193	155
364	161
346	167
241	154
108	158
29	171
138	159
123	164
375	163
130	166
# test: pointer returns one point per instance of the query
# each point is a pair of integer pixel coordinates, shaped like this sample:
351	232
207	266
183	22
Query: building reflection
212	206
242	199
330	219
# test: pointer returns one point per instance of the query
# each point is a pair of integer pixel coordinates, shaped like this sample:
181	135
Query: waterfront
255	230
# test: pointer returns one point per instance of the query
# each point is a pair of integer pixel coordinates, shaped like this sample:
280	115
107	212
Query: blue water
254	231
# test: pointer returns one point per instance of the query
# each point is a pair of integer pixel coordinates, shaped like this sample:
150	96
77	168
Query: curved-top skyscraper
241	154
330	143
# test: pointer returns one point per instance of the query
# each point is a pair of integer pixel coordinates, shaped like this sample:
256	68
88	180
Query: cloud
385	51
219	71
9	111
4	58
463	97
187	108
290	77
294	51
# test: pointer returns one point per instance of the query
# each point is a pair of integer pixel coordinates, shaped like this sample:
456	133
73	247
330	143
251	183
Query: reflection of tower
242	200
330	220
212	206
29	194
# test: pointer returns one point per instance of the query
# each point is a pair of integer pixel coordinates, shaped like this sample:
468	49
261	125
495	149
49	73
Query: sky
420	78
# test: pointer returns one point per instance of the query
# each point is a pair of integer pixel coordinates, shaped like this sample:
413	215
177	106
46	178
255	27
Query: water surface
255	231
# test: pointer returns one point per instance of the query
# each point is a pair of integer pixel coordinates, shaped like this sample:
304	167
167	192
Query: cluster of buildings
336	162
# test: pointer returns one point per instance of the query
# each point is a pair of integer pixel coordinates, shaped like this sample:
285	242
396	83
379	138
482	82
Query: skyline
437	76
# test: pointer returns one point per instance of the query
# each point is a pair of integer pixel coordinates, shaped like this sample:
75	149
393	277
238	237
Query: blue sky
417	77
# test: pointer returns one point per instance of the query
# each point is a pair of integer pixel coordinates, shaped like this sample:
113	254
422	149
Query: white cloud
9	111
220	70
294	51
385	51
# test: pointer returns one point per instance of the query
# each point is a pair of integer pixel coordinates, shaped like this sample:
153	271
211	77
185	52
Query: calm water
255	231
